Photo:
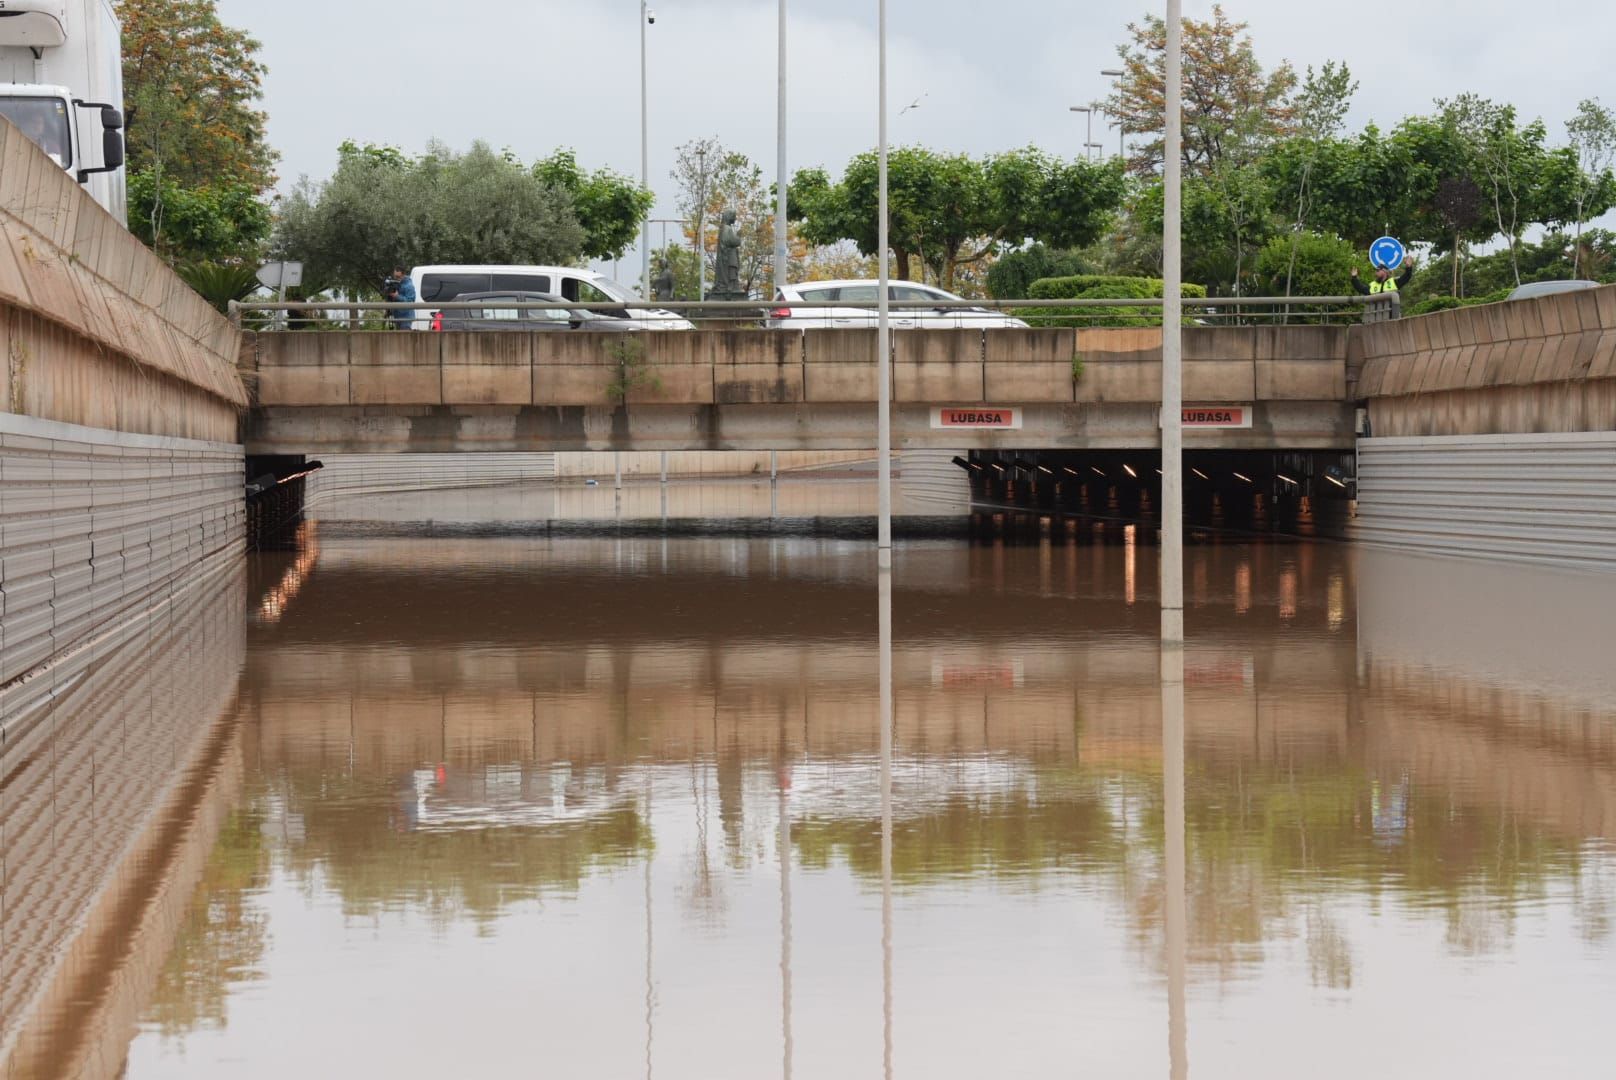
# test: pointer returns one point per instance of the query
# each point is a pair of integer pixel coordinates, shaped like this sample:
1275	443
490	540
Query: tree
1314	263
1321	109
224	223
193	129
712	179
382	207
949	210
610	207
1224	86
1593	139
1015	271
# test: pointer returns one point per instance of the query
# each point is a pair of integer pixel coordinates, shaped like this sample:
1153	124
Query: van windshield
44	121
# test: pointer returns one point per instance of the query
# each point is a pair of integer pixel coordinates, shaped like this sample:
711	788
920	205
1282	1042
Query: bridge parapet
781	367
95	329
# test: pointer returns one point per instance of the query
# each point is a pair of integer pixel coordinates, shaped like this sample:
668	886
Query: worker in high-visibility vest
1383	282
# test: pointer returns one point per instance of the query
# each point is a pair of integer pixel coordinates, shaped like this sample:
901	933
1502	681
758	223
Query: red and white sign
1008	675
988	417
1217	416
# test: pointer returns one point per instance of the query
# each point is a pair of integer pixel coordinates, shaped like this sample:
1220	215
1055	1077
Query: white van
441	284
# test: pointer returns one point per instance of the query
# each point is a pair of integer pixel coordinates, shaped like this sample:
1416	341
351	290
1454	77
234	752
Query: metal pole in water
664	468
1172	416
886	699
617	468
1175	910
883	334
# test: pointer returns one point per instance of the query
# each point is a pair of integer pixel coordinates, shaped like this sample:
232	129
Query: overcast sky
537	74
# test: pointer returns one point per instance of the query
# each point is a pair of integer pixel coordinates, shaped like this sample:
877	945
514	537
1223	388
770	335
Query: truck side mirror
111	119
111	149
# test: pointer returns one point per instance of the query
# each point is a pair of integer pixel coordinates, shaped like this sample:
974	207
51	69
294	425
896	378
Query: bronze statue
727	261
662	284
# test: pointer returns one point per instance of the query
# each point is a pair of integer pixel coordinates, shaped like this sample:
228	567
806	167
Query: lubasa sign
983	417
1217	416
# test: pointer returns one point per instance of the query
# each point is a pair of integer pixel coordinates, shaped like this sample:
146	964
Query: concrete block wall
96	529
1541	365
86	801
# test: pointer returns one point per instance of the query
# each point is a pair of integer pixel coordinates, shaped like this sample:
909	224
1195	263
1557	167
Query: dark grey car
499	315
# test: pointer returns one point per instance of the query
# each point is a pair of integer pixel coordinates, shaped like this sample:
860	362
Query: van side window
522	282
588	294
445	287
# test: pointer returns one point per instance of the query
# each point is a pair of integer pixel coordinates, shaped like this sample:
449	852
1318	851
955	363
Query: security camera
650	16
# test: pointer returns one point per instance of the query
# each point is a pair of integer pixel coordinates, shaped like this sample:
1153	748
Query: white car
865	292
441	284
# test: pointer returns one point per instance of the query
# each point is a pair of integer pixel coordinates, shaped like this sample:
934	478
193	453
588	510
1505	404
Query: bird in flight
915	104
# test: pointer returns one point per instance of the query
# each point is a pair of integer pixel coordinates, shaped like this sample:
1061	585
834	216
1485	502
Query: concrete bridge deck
333	392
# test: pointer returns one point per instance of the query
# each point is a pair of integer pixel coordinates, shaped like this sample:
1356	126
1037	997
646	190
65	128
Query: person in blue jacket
400	290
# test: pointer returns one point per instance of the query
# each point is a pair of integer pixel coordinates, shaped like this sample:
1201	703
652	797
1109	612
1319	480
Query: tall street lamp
647	17
883	333
1117	73
1172	418
780	171
1087	110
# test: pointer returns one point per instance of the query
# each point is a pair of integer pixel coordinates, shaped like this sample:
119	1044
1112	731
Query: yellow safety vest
1389	285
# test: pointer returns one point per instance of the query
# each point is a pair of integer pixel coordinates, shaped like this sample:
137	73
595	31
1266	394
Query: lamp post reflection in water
1174	910
885	575
785	916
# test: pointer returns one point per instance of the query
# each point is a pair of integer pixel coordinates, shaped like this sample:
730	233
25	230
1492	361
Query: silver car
939	317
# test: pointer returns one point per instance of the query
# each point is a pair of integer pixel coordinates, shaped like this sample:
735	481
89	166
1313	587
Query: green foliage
1105	286
610	207
1448	303
1322	265
382	207
219	283
1013	273
1101	287
227	222
947	210
191	89
633	371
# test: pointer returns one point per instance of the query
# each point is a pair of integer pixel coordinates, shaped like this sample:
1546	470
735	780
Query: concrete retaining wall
1543	365
97	529
1548	498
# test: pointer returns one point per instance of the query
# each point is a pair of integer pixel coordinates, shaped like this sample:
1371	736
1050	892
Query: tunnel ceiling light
1068	469
1201	474
1242	476
1285	478
1097	470
1129	470
1336	482
1046	469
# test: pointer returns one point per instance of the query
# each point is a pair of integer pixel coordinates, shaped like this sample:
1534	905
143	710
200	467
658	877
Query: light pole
646	18
1172	418
1092	147
701	227
1088	111
780	281
883	333
1117	73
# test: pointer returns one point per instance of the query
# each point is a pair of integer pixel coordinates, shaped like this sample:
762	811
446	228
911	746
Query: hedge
1101	287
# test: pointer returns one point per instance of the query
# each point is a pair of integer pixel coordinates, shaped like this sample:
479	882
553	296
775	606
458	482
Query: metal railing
796	314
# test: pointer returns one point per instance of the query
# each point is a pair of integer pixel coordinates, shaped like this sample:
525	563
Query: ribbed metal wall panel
1546	498
364	474
95	528
106	738
930	477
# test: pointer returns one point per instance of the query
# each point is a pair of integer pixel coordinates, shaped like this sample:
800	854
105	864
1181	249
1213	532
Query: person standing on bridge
1383	282
401	290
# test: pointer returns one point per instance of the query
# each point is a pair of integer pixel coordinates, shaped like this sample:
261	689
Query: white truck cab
61	84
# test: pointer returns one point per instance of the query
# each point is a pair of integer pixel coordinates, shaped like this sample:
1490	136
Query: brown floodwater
412	803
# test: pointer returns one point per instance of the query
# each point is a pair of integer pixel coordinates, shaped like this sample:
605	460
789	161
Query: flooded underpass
438	792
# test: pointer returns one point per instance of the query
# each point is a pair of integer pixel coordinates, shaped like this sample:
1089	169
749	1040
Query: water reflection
692	808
